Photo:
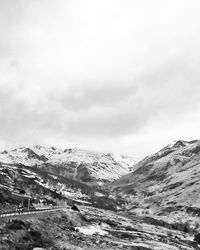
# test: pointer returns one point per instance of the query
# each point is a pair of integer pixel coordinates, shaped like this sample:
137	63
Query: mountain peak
181	143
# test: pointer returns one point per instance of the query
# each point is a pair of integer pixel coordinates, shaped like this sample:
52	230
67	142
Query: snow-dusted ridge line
176	145
100	166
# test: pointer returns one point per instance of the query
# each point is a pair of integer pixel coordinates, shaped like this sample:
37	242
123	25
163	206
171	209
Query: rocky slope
18	182
165	184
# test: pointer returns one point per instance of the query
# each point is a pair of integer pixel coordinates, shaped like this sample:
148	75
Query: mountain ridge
48	172
99	166
165	184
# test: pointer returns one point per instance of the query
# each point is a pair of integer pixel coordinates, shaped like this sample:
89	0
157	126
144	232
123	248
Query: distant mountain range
74	173
164	185
76	163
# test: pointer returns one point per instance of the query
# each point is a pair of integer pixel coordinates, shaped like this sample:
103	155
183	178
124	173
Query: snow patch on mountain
126	161
98	165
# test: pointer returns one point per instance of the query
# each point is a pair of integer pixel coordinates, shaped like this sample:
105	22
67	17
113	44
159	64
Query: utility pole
29	201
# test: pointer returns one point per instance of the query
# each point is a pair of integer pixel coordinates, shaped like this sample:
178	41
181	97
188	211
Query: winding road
15	213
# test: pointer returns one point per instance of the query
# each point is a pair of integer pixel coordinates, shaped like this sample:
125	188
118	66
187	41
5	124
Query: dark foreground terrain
93	229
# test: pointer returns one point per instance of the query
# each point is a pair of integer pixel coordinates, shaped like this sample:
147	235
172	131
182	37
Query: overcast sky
118	76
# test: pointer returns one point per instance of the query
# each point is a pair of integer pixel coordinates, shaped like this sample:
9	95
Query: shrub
34	238
15	225
197	238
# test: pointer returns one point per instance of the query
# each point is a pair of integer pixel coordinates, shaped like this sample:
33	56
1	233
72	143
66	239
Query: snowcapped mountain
74	173
160	188
76	163
166	183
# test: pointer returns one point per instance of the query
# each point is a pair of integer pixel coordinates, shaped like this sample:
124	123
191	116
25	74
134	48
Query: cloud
95	94
97	70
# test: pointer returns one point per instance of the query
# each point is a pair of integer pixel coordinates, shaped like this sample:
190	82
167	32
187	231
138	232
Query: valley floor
89	229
